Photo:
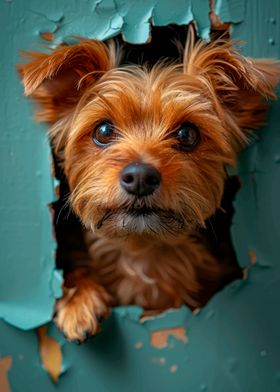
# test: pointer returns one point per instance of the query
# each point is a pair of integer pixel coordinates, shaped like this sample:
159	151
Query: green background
234	342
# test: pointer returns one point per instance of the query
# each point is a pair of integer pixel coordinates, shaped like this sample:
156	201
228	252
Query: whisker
65	205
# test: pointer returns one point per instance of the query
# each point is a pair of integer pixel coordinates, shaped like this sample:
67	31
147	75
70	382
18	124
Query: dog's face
145	151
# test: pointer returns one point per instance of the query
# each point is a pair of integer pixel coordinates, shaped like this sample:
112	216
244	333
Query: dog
145	152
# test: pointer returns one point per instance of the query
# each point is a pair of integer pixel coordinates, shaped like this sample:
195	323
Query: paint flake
173	368
159	339
50	353
138	345
5	366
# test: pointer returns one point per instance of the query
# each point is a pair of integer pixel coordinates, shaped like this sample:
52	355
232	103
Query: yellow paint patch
159	339
50	353
5	366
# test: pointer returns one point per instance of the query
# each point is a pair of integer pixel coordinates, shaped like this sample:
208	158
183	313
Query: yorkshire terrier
145	152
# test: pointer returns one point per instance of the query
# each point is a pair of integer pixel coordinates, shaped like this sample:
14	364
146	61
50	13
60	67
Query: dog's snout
140	179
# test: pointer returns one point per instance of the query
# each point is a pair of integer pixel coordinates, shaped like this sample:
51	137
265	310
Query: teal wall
231	345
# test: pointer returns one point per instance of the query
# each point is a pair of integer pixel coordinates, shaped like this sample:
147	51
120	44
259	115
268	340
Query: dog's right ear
57	80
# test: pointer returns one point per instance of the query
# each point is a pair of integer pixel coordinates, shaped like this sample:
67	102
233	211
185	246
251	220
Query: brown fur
163	264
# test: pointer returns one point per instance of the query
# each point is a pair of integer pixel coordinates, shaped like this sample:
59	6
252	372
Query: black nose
140	179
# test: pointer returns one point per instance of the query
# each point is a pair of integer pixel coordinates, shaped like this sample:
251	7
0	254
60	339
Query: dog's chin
140	221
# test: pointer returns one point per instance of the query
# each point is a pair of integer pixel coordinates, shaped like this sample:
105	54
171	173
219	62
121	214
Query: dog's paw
79	312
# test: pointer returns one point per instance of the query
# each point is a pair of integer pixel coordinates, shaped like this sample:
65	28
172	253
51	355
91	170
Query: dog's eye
103	134
188	137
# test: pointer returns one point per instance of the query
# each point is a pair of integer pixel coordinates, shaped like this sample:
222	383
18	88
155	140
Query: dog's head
145	150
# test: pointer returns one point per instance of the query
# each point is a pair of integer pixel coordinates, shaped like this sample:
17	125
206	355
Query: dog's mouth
143	211
140	220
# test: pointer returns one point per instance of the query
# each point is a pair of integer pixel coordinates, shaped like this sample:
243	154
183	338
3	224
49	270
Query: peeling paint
226	336
173	369
159	339
216	22
253	256
47	36
5	366
50	353
230	11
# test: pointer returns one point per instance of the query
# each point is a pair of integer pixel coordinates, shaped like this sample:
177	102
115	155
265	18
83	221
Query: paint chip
5	366
47	36
159	360
253	260
216	22
196	311
50	353
173	369
159	339
138	345
253	256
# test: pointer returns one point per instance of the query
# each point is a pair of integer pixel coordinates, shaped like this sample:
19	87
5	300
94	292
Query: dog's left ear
57	80
238	86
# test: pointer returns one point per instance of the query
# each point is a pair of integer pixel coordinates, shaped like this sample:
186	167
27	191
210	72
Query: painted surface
27	246
231	345
28	282
103	18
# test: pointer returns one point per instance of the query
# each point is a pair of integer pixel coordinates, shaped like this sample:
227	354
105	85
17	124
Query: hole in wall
70	242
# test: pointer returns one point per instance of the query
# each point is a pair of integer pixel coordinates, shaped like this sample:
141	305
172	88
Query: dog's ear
239	86
57	80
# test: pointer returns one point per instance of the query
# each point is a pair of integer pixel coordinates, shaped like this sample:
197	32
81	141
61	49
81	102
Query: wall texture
231	345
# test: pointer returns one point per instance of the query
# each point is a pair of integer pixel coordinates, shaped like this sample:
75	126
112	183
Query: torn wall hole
69	235
217	233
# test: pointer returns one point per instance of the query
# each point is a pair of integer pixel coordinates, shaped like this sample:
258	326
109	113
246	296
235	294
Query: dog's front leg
84	303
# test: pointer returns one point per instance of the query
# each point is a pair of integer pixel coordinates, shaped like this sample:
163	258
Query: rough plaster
232	344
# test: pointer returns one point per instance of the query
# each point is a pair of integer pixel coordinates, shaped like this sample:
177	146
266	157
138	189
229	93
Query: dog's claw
86	336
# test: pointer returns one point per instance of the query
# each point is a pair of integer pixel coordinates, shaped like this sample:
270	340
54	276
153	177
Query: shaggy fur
156	260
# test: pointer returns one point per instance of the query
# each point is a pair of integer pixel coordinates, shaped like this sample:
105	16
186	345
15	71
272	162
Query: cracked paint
103	19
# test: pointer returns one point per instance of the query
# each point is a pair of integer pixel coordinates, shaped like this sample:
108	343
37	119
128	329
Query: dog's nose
140	179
